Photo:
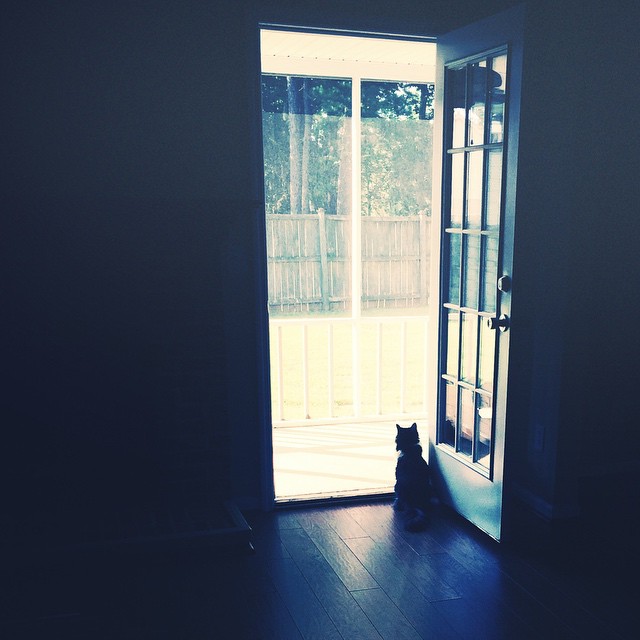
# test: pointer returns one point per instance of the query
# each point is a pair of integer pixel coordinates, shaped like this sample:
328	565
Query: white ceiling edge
329	55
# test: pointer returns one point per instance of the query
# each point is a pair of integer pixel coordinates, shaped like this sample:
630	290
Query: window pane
455	240
490	273
487	356
471	271
474	189
396	148
484	423
465	437
494	187
453	324
307	144
478	90
457	95
307	169
497	91
448	428
469	347
457	189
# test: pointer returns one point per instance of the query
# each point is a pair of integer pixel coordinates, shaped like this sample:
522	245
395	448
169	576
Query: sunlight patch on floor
333	460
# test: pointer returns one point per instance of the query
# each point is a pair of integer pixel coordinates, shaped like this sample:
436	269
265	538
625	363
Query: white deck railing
292	364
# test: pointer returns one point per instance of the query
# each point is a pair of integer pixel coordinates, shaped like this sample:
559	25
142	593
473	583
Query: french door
478	86
472	228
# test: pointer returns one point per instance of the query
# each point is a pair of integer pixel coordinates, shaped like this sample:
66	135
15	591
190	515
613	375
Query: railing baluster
330	367
403	362
280	374
425	366
355	369
305	370
374	341
379	370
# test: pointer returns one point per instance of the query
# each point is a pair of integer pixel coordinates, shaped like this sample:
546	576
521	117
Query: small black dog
413	479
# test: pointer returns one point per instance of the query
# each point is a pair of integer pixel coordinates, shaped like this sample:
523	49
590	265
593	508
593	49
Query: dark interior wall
125	180
577	268
131	327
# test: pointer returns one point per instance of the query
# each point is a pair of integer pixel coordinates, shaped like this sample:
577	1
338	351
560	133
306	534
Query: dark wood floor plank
343	523
250	608
394	578
559	600
306	610
337	600
342	560
380	521
592	577
417	568
384	614
464	542
306	580
265	537
494	593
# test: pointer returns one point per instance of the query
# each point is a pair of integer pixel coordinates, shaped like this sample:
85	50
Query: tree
307	145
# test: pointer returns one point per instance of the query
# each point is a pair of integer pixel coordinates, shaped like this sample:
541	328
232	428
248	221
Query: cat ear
398	427
414	426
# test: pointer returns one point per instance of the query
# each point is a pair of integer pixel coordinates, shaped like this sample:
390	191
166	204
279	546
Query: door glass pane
490	273
484	422
478	90
497	90
469	347
471	271
457	189
456	79
486	357
474	189
455	240
448	428
453	325
467	422
494	188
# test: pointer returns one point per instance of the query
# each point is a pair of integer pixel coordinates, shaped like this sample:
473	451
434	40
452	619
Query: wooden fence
309	262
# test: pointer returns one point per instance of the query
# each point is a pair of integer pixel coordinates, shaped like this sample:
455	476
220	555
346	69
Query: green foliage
397	100
307	138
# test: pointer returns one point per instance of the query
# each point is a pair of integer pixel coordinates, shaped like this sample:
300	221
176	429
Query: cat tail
417	521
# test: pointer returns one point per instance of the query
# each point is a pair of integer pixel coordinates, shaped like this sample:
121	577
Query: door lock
501	323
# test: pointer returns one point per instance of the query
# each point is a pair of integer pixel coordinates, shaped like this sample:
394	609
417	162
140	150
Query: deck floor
334	460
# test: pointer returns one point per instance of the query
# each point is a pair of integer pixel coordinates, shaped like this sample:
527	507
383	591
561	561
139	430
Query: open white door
478	105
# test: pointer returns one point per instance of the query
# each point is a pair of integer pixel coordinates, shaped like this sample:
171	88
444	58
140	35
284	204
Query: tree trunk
295	131
306	143
343	205
299	140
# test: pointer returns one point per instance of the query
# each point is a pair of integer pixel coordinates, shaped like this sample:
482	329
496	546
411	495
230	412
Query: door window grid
471	236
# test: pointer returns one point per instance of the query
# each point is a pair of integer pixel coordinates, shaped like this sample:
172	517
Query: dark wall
132	321
577	268
125	231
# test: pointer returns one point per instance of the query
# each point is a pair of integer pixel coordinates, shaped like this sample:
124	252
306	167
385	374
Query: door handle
501	323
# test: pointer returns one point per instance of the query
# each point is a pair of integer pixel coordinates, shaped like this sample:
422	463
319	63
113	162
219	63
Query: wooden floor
345	571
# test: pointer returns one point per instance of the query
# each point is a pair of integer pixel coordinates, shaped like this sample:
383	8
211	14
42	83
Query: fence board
309	262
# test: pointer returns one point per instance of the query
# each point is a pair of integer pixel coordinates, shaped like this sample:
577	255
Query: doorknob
501	323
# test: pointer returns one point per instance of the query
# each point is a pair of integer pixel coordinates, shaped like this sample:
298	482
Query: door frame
255	20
